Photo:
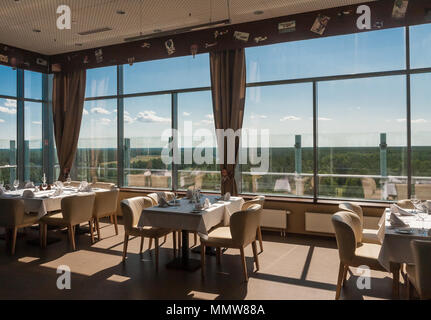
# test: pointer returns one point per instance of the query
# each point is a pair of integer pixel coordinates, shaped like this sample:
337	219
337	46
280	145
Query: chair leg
174	240
244	264
41	229
195	239
395	270
72	237
339	281
13	244
179	241
142	244
90	223
150	244
115	223
126	242
218	255
45	234
346	268
98	228
156	244
203	260
259	236
166	238
256	259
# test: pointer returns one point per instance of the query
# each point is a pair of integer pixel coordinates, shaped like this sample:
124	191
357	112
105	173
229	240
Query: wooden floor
295	267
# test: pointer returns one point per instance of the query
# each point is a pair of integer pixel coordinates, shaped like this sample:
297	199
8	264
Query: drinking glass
422	215
16	184
44	186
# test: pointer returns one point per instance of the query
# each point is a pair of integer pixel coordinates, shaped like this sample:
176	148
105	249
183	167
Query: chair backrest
78	208
244	224
105	203
422	257
160	181
154	198
132	210
423	191
11	212
406	204
103	185
346	225
256	200
348	206
401	191
369	186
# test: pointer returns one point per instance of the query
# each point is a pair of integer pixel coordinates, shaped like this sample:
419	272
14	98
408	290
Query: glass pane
7	140
197	142
420	46
373	51
8	81
96	158
421	136
146	119
32	85
101	82
167	74
362	138
286	165
33	142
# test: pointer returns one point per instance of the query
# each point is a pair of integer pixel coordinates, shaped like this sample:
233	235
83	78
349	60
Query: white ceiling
18	18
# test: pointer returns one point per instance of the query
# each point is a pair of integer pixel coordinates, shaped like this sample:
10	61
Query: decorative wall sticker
27	64
86	60
99	55
344	13
378	24
320	24
4	59
56	67
146	45
242	36
220	33
42	62
194	50
286	27
209	45
131	61
400	9
170	46
260	39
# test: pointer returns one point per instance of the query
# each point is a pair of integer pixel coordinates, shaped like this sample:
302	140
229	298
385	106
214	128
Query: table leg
395	270
184	262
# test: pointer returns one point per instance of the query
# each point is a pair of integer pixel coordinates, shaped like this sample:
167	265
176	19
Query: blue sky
351	112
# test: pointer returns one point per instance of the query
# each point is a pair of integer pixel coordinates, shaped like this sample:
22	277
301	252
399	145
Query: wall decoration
209	45
194	49
146	45
286	27
86	60
260	39
56	67
344	13
242	36
42	62
170	46
320	24
219	33
378	24
99	55
400	9
4	59
27	64
131	61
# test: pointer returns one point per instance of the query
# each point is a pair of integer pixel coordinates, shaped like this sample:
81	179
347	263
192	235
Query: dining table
183	216
395	241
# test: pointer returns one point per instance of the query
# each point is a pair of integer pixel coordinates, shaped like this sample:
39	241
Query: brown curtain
68	104
228	78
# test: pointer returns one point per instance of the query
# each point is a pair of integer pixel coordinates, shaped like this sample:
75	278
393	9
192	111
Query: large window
8	142
8	81
33	170
420	46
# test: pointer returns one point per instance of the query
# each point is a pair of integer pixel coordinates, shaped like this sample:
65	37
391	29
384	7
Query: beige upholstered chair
256	200
370	189
406	204
13	217
74	211
366	235
105	205
132	209
423	191
160	181
103	185
241	232
401	191
419	274
347	226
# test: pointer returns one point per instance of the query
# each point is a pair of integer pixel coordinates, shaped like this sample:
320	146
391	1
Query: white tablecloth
396	246
182	218
43	202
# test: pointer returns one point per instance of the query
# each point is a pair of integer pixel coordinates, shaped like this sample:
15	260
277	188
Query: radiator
321	222
275	220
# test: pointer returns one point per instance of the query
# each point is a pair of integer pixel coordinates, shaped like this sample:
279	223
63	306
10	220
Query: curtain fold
228	86
67	104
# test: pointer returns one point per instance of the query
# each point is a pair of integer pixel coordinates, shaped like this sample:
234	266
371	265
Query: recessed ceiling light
157	30
78	44
121	12
258	12
36	30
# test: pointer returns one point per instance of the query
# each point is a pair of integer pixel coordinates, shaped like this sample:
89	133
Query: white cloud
257	116
100	110
419	121
10	103
128	119
325	119
401	120
290	118
105	121
7	110
37	122
149	116
186	114
2	121
85	112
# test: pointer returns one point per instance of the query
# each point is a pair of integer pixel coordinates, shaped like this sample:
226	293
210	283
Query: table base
181	264
36	241
209	251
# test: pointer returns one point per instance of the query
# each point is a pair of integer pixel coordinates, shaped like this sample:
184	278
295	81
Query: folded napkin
226	197
161	195
397	222
28	194
401	211
59	184
207	203
163	203
84	187
29	185
57	192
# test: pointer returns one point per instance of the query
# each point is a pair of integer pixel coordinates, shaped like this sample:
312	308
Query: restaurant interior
215	149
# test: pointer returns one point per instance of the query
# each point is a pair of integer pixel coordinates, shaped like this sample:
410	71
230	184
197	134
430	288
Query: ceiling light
121	12
36	30
157	30
258	12
86	33
78	44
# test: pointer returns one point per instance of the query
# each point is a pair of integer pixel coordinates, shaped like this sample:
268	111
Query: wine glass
68	180
422	215
416	202
16	184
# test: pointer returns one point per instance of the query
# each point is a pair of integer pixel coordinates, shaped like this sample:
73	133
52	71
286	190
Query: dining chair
401	189
369	187
405	204
103	185
13	217
132	210
74	211
366	235
105	205
423	191
347	227
256	200
240	233
419	274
